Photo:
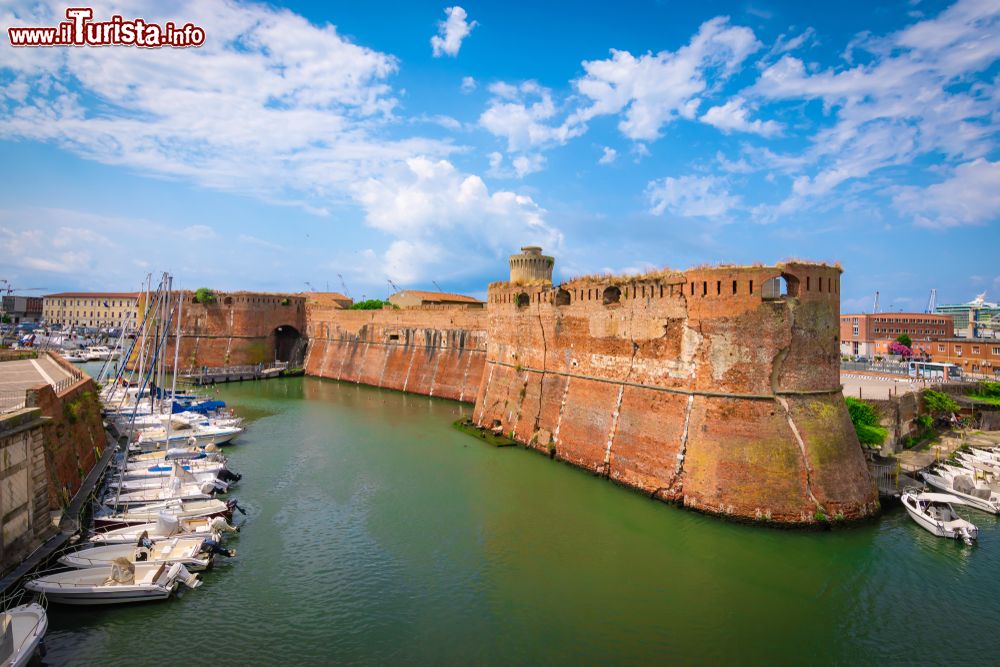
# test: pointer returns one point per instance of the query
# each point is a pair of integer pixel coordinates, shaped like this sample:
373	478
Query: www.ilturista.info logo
80	30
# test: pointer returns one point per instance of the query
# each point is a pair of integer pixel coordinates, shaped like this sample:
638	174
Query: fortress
717	388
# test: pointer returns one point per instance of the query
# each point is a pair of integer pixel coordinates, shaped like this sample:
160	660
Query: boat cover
122	572
204	407
964	484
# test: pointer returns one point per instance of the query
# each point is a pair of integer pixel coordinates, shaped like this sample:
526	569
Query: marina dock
207	375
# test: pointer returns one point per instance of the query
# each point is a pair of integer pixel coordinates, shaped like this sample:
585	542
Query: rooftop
93	295
437	296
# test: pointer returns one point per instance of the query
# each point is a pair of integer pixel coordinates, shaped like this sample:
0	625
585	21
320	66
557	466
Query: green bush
988	389
925	422
372	304
285	301
865	421
204	295
903	339
938	402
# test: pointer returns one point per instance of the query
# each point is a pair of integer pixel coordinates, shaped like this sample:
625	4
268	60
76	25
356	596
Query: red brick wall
236	329
71	439
436	352
691	388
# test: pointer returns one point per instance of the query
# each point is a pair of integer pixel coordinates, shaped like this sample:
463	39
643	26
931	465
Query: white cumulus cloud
608	155
690	196
451	32
969	196
733	116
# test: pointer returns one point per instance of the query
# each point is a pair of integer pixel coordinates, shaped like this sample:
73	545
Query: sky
340	146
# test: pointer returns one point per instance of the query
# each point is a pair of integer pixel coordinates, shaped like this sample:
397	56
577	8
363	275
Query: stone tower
531	266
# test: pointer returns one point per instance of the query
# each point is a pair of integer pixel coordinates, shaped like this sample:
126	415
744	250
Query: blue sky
424	142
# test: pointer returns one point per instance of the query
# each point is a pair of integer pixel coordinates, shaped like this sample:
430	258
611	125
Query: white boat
118	583
164	527
964	486
99	353
152	439
75	356
21	631
150	483
187	509
934	513
184	550
209	453
143	469
182	492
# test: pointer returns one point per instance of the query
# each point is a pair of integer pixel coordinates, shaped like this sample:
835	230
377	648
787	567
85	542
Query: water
377	534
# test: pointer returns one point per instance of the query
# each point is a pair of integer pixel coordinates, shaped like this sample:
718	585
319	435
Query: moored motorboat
187	509
21	631
184	550
954	481
119	583
934	513
173	491
166	526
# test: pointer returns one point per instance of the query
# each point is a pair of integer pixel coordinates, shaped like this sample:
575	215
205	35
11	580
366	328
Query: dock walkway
207	375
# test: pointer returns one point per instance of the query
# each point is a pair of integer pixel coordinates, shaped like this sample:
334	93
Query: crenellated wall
432	351
236	329
705	387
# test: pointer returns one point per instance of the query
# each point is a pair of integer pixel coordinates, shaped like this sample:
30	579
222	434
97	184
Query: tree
865	421
903	339
938	402
895	347
204	295
372	304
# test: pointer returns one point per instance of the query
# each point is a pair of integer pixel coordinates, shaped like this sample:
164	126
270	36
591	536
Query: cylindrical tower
531	266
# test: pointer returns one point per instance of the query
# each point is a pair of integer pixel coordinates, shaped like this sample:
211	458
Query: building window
996	351
975	349
941	348
855	328
958	351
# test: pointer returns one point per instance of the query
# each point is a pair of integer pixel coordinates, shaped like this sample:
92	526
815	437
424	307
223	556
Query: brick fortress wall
436	351
236	329
691	387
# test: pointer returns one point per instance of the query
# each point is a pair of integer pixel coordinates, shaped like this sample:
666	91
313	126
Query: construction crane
932	302
438	286
392	285
876	308
311	288
344	285
10	289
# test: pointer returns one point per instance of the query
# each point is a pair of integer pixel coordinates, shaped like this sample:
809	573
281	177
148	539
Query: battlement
743	286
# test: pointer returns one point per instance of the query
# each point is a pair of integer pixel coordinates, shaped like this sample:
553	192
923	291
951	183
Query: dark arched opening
612	295
562	297
289	345
522	300
780	287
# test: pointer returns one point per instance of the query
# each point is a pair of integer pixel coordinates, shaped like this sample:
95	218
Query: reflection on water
379	535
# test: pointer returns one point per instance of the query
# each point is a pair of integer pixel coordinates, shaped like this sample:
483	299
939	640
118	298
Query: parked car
862	360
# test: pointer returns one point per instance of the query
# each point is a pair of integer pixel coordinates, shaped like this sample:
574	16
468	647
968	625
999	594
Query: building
975	356
977	318
101	310
419	299
20	309
869	334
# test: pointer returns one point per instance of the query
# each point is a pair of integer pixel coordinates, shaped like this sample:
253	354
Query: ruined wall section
698	387
432	351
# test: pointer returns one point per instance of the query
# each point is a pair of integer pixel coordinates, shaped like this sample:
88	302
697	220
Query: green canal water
379	535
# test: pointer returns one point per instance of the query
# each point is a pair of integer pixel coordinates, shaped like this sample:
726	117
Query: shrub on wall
903	339
865	421
372	304
938	402
204	295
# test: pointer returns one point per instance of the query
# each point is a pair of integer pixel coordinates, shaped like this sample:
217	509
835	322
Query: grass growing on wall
986	392
865	421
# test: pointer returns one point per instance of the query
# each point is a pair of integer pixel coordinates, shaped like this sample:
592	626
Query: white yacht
960	482
934	513
99	353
